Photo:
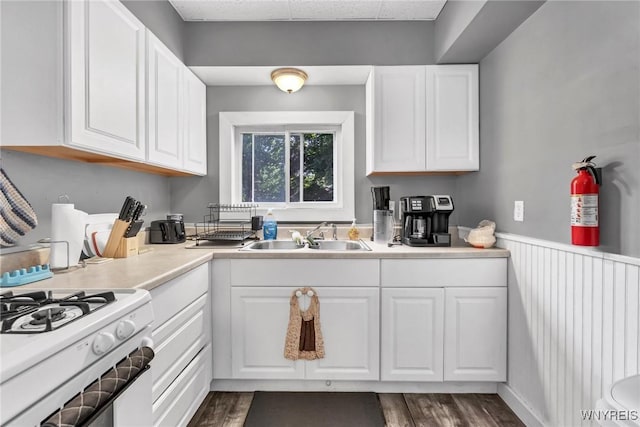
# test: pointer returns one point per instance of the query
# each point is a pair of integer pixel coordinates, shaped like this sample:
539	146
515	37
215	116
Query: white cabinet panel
349	319
195	124
412	334
106	46
475	334
305	272
397	142
258	330
164	105
444	272
452	118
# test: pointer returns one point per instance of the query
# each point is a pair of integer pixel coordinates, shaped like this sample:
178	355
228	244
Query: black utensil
133	229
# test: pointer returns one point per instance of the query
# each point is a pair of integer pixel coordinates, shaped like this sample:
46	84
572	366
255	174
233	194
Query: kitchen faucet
334	229
309	233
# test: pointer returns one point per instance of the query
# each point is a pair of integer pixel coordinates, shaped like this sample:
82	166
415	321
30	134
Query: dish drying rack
226	223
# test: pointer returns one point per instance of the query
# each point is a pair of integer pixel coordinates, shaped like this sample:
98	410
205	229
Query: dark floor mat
307	409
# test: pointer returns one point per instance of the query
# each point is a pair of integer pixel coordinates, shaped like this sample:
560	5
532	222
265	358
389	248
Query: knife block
118	246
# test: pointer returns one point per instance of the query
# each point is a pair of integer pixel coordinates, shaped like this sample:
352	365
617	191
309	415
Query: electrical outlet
518	210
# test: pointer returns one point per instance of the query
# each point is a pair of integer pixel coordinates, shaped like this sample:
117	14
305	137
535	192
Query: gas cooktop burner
39	311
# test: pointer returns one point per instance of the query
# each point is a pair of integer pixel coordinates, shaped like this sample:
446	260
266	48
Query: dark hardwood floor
223	409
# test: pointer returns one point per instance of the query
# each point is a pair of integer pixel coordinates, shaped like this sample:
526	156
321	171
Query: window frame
232	124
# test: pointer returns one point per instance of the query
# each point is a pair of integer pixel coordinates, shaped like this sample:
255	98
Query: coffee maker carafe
425	220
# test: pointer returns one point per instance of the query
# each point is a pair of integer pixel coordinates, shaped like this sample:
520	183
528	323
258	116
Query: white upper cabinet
422	119
195	129
396	141
452	118
106	81
164	105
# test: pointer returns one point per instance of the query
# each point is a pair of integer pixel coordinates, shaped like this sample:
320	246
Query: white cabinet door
106	78
195	124
396	114
452	118
412	334
259	321
475	347
164	105
349	319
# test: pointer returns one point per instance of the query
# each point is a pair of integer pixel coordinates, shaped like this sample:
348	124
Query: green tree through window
311	167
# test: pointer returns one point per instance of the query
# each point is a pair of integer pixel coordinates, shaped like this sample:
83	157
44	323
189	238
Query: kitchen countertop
164	262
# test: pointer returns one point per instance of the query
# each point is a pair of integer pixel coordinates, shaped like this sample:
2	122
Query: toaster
167	231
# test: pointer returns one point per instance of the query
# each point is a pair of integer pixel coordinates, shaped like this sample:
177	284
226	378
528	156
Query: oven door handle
89	404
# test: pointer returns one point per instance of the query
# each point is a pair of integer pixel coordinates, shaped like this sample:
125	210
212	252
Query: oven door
131	407
121	397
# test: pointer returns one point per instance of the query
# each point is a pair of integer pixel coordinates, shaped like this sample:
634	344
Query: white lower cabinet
476	329
181	368
444	334
412	334
349	323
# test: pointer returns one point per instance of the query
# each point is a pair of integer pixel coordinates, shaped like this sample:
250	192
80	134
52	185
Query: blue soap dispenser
270	226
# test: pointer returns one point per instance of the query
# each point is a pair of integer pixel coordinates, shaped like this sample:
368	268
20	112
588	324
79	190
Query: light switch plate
518	210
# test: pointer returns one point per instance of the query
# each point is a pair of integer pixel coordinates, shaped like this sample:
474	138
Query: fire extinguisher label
584	210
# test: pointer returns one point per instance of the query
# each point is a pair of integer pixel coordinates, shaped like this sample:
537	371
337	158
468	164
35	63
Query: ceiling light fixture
289	79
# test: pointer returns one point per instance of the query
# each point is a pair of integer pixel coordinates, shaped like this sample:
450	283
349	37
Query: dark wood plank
433	410
498	410
195	420
238	412
223	409
473	410
396	413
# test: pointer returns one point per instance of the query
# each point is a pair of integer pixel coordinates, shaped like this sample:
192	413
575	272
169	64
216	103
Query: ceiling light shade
289	79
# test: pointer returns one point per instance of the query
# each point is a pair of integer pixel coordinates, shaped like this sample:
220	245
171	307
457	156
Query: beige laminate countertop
165	262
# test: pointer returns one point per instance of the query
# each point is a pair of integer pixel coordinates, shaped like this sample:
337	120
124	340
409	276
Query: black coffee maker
425	220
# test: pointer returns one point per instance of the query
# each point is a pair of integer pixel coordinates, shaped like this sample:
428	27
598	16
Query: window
288	167
299	163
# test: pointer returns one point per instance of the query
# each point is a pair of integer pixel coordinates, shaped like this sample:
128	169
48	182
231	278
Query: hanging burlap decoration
304	338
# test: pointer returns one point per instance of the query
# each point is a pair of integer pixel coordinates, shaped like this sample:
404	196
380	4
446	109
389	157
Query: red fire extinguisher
585	187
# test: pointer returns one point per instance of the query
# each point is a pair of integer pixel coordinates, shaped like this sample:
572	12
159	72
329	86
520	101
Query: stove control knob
125	329
103	342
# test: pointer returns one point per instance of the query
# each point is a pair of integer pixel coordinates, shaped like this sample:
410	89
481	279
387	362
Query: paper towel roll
67	225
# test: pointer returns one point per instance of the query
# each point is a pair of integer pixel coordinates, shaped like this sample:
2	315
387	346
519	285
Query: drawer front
176	352
305	272
181	400
486	272
176	294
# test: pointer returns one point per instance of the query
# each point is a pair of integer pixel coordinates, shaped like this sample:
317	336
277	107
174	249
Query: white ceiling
308	10
261	76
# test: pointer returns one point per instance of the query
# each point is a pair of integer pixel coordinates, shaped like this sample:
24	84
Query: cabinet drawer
305	272
172	297
176	406
440	272
178	341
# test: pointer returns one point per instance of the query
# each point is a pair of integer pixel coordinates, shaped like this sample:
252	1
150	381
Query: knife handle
133	228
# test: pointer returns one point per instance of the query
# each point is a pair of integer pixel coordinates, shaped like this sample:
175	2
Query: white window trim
230	184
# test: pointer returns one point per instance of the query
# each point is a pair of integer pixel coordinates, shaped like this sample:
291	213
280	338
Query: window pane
318	167
247	160
294	168
268	168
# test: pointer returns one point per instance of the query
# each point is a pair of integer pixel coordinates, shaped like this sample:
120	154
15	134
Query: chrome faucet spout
318	227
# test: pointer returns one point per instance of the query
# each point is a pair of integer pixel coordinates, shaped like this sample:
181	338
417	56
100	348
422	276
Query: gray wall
190	195
308	43
163	21
564	85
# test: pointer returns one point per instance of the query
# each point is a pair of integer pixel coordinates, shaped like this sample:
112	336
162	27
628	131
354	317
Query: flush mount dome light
289	79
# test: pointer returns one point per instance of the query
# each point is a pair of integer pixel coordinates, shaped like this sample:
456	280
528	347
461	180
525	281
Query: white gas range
66	350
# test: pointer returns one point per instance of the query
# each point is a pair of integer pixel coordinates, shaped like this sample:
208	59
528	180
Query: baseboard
518	406
353	386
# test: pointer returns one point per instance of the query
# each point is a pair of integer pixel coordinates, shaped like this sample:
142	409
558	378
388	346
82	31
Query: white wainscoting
574	327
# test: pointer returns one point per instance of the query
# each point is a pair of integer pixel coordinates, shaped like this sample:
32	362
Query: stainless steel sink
271	245
339	245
